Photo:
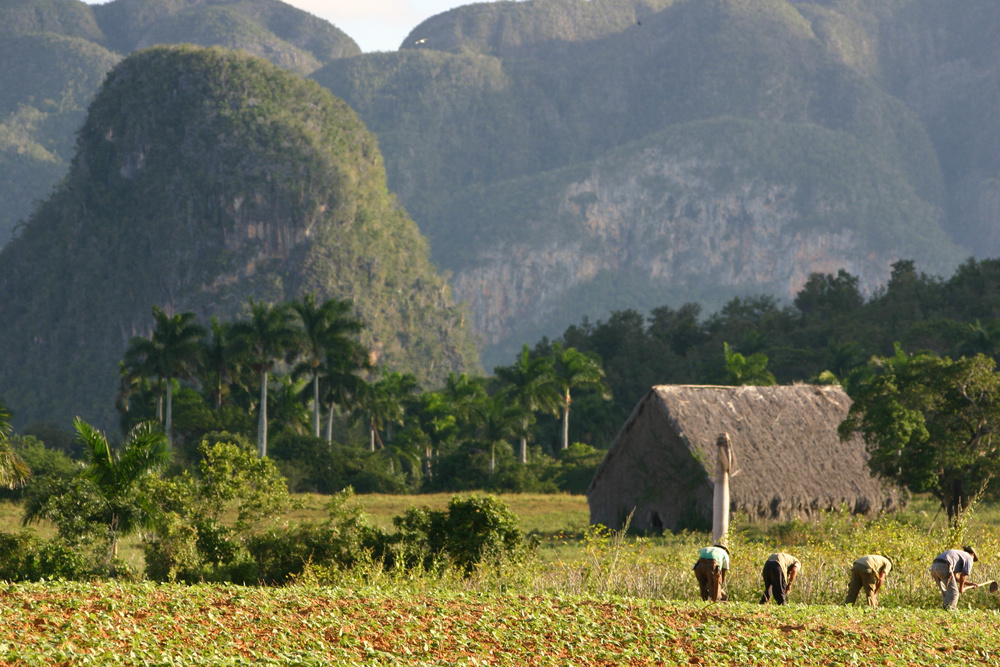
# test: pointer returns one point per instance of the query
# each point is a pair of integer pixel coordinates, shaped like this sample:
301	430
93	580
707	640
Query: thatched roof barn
789	457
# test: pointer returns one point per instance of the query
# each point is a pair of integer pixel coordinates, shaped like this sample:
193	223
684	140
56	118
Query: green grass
570	559
545	514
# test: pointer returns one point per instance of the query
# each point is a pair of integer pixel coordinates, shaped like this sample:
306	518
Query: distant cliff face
514	133
744	239
693	213
204	177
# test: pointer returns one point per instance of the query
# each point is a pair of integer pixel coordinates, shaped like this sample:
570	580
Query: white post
720	504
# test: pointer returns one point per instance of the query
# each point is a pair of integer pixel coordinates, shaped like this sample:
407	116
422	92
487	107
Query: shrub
171	553
47	466
313	465
207	521
473	531
24	557
579	465
342	542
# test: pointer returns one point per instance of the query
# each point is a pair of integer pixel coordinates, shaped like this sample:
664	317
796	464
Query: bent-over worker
780	571
950	570
710	571
868	572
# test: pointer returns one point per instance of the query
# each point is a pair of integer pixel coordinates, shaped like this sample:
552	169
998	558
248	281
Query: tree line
918	358
337	418
300	368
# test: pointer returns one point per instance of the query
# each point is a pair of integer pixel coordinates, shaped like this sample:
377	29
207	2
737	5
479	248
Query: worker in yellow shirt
868	573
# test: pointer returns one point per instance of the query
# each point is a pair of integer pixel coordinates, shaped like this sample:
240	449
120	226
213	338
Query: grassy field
545	514
551	516
584	598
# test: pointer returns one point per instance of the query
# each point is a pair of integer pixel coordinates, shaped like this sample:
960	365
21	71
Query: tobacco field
110	623
593	598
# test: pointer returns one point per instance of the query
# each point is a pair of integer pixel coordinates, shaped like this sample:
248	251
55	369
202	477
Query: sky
376	25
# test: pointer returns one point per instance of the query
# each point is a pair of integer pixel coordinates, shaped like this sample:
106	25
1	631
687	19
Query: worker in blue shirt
950	571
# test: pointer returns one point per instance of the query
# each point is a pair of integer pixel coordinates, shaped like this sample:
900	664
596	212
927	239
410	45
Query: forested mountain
618	153
572	157
55	53
203	177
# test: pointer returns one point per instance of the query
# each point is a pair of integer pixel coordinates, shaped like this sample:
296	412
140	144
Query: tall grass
570	559
616	563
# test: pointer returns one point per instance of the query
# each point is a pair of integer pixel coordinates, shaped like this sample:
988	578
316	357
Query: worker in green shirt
710	571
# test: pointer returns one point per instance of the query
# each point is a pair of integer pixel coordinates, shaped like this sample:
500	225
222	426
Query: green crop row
406	622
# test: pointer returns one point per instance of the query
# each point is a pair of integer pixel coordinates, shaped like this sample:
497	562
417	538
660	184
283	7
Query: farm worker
868	572
949	570
780	570
710	571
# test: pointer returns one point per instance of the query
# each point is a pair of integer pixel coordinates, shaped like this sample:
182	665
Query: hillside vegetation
55	54
627	143
201	178
643	149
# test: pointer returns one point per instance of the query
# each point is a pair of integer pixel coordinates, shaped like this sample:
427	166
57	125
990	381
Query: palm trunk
329	425
524	441
170	413
262	419
113	553
159	399
315	405
565	424
493	460
371	430
720	495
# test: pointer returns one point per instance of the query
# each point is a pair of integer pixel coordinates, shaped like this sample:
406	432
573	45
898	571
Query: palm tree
13	470
979	338
341	384
116	474
220	363
327	330
751	370
496	420
529	384
463	392
265	338
128	384
381	403
403	451
575	370
437	424
172	351
287	408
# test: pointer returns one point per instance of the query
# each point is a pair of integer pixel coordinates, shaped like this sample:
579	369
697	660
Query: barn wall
652	474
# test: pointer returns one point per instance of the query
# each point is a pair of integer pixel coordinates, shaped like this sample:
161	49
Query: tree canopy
929	423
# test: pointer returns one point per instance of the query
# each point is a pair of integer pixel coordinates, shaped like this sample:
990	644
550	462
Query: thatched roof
788	453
